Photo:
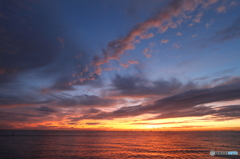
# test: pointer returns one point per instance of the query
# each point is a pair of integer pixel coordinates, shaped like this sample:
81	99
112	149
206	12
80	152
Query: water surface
116	145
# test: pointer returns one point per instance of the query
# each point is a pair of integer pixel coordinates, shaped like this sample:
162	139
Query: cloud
164	40
163	123
229	33
233	3
133	62
124	65
146	52
221	9
132	86
179	34
31	52
208	24
28	115
197	18
186	104
189	126
91	110
96	123
176	45
19	98
194	35
162	20
191	24
53	99
45	109
86	101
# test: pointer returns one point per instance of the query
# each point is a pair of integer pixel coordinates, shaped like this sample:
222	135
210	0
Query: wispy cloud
176	45
162	20
133	62
229	33
124	64
221	9
186	104
164	40
194	35
147	52
197	18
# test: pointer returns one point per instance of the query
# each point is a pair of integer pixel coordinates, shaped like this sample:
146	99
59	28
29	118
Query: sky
120	65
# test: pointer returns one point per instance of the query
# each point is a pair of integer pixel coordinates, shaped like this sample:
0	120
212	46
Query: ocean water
116	145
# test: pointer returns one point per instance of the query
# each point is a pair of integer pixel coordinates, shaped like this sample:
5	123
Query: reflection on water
44	144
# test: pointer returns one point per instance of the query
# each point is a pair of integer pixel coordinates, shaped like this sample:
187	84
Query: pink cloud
209	2
190	24
162	20
176	45
197	18
124	65
133	62
233	3
194	35
108	69
146	52
146	36
179	34
165	40
208	24
221	9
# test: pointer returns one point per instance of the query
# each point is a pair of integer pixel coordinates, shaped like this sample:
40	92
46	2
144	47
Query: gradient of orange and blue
120	65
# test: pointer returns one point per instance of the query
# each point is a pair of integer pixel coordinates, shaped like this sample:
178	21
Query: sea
117	144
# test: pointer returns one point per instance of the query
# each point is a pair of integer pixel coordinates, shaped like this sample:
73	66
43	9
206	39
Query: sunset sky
120	64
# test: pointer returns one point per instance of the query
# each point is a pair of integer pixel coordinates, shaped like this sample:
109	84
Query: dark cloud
86	101
189	126
91	110
221	79
46	109
223	72
24	42
53	99
97	123
139	86
148	123
186	104
219	76
25	116
229	33
35	43
22	99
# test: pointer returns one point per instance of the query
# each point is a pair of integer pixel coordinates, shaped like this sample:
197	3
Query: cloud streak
186	104
162	20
